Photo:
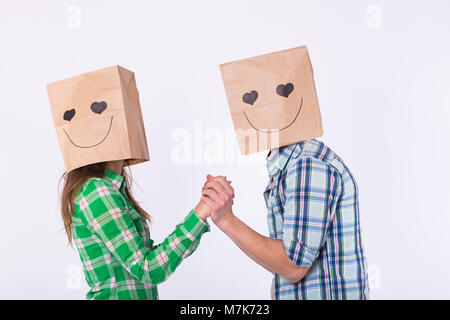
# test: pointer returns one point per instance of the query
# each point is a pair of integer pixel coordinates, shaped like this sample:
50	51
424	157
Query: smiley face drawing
98	118
283	91
96	107
272	97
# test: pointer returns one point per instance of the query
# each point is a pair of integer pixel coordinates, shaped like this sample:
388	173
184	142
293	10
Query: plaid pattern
312	203
119	259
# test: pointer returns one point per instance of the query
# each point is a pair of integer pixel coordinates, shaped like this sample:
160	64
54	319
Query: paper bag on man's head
98	118
272	99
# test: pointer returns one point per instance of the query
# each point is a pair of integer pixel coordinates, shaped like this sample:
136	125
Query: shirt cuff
194	226
299	253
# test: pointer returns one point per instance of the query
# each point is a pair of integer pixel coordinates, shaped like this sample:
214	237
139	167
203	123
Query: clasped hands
216	201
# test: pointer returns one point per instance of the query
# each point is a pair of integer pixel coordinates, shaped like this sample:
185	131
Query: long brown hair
75	179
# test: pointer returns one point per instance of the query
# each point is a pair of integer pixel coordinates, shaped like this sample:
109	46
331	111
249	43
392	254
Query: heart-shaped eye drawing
69	114
98	107
250	97
285	90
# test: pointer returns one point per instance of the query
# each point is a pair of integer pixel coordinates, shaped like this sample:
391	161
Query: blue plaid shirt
312	203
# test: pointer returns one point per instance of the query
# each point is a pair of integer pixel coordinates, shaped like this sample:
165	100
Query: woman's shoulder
94	185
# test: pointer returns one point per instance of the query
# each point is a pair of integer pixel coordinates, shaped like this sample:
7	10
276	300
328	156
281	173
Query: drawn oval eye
98	107
250	97
69	114
285	90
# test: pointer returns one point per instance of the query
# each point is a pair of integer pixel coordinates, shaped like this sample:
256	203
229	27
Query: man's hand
202	210
218	195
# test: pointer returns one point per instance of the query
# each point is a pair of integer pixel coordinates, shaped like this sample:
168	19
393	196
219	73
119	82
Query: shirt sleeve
311	193
104	212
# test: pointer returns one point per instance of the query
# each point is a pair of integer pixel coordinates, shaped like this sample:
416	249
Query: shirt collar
278	158
117	180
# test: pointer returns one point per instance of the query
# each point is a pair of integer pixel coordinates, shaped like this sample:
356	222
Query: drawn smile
275	130
103	139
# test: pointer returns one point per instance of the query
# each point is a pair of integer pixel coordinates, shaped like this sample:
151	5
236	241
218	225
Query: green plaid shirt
119	259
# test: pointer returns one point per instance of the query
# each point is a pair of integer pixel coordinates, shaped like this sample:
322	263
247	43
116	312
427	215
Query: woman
111	233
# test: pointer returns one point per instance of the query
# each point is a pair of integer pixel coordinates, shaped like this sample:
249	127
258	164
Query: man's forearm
267	252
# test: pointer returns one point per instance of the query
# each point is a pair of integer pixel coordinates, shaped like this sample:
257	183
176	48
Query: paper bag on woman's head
272	99
98	118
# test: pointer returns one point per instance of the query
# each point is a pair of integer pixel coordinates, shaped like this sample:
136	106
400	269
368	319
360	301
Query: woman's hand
218	195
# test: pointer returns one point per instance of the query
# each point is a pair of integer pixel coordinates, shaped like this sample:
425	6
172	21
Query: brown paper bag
272	99
98	118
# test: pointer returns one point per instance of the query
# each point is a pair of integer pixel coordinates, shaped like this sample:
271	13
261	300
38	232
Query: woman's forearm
202	211
162	260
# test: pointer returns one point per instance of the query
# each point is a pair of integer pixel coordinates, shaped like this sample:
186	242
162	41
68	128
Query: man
315	247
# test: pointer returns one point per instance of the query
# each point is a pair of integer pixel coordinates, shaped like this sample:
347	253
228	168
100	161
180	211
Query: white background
382	73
